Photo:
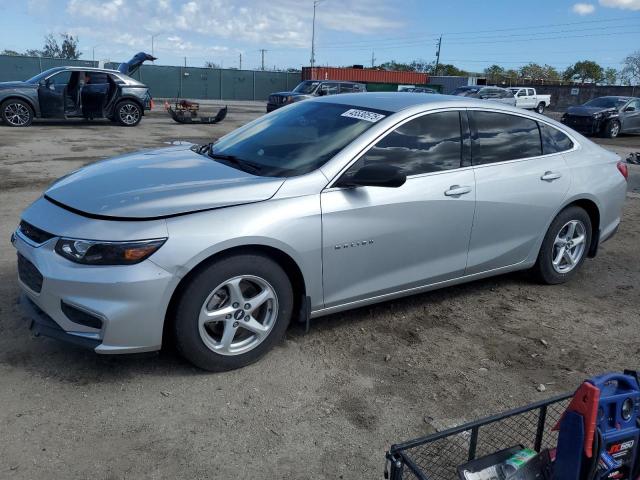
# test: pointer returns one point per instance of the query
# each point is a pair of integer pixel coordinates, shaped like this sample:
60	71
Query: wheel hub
569	246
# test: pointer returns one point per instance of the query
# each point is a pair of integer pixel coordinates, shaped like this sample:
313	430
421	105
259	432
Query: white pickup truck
528	98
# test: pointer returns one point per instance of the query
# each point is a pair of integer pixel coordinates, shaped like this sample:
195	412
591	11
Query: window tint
502	137
96	78
635	105
430	143
347	87
329	88
553	140
530	92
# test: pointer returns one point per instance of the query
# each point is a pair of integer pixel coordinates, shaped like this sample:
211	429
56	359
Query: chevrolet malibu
322	206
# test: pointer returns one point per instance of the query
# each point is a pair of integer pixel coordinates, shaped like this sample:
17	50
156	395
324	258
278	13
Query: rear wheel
233	312
128	113
16	113
540	108
564	247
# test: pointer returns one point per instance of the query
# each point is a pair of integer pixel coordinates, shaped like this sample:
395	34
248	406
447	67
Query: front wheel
233	312
564	247
612	129
16	113
128	113
540	108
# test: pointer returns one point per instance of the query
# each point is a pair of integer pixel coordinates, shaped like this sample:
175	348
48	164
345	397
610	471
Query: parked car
310	89
495	94
74	92
606	116
527	97
418	90
326	205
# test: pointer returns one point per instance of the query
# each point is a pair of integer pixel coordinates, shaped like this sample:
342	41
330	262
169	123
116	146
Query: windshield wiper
245	165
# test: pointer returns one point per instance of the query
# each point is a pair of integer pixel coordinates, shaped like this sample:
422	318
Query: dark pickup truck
312	88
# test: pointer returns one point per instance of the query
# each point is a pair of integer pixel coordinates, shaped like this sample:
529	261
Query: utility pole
438	55
240	62
185	62
313	33
373	59
262	50
152	45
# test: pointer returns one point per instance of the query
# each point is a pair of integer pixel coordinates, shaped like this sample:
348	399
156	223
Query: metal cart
436	457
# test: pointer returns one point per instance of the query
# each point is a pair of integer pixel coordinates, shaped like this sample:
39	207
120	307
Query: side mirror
321	92
630	109
376	175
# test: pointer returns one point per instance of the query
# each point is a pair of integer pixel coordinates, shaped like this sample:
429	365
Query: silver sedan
321	206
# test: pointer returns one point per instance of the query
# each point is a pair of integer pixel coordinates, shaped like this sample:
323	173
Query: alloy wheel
129	114
238	315
16	114
614	129
569	246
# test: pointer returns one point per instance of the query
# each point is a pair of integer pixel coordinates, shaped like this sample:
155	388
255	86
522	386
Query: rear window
553	140
502	137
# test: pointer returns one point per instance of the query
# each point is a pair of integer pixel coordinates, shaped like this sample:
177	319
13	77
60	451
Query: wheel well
130	99
289	265
594	215
26	100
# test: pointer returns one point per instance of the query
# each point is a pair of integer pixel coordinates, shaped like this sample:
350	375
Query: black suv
312	88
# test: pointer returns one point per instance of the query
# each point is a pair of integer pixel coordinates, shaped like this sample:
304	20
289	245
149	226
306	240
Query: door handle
457	190
550	176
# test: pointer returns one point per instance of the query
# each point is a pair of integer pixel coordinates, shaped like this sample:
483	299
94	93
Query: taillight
623	169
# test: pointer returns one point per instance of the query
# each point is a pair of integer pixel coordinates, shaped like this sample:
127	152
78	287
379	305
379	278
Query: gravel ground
321	405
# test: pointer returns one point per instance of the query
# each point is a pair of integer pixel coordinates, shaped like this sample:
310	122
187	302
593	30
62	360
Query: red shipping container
364	75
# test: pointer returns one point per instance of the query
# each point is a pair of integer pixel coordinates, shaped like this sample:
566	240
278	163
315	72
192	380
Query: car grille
34	233
577	121
29	274
276	99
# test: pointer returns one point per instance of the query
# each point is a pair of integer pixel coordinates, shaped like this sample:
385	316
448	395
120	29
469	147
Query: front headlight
94	252
597	116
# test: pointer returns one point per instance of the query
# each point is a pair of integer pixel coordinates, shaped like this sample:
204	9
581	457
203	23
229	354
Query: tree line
67	48
584	71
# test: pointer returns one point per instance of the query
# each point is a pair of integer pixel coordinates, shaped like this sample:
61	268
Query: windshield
43	75
306	87
607	102
465	91
294	140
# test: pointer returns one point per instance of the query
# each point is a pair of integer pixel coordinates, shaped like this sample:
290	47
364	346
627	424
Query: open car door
95	94
52	93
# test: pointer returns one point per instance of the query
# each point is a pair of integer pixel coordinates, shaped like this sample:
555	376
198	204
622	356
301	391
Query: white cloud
624	4
583	8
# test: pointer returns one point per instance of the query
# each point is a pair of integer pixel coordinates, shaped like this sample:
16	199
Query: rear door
378	241
51	95
95	94
518	189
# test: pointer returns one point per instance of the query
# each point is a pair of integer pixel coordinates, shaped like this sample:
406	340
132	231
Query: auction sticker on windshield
363	115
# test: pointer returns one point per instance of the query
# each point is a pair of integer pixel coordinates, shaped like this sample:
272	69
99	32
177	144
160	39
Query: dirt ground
321	405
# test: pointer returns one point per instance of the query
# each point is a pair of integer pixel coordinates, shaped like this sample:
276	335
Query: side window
522	93
430	143
61	78
501	137
530	92
346	87
635	106
96	78
553	140
329	88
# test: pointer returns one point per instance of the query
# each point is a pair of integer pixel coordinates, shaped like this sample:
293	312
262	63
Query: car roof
92	69
397	101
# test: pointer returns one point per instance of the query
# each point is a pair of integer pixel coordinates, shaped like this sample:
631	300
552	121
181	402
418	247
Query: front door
518	189
51	95
382	240
630	117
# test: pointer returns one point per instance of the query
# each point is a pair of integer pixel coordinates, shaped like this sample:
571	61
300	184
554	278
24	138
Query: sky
475	33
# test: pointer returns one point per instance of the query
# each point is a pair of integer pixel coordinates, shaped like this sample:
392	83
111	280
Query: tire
611	129
16	113
128	113
540	108
558	233
224	341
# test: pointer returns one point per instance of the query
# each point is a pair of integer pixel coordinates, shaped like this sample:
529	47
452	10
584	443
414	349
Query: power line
467	33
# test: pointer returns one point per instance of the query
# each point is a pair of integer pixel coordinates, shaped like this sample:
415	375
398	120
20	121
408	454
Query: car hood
8	85
584	111
158	183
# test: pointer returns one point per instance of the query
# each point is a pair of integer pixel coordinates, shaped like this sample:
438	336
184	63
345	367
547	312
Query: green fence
171	81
